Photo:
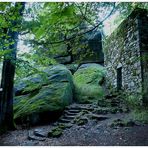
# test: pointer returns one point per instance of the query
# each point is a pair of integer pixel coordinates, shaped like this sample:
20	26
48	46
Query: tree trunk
8	72
69	50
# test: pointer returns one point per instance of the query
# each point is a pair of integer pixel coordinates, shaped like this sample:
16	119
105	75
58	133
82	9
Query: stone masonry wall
123	49
143	34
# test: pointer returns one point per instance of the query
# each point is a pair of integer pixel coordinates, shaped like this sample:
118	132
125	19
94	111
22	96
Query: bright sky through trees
108	28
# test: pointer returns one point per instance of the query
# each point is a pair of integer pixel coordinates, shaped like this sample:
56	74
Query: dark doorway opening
119	78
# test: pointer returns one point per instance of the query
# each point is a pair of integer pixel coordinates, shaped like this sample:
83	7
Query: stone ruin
124	54
126	57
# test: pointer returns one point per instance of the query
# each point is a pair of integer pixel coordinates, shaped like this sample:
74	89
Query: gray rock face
93	51
63	59
43	94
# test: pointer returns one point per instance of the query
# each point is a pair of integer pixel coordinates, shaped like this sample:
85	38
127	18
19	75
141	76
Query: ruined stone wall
143	36
123	49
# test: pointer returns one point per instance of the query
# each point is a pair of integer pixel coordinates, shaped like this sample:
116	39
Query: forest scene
73	73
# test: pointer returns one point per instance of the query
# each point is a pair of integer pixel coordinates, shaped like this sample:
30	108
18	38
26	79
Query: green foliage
55	23
51	24
125	8
133	101
55	132
122	123
4	53
141	115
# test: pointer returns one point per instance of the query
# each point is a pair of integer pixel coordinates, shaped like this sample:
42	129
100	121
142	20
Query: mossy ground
122	123
140	115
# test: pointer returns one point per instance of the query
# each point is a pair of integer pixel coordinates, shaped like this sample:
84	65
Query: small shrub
141	115
55	132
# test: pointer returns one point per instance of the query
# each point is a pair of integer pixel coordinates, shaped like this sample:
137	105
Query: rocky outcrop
63	59
39	96
92	52
89	50
87	81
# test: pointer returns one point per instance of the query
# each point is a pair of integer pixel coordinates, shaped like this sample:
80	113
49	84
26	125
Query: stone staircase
67	119
71	116
71	113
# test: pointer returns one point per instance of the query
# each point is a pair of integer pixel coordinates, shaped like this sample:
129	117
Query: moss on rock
86	82
122	123
55	132
50	96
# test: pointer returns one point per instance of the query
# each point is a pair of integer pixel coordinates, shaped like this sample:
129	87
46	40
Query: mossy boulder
87	81
55	132
40	95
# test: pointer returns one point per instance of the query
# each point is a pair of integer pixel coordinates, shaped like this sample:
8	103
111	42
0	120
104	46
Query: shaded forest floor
117	128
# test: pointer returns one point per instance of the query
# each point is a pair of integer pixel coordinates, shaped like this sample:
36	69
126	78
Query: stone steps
66	120
79	106
74	111
32	136
69	117
69	113
62	120
40	133
98	117
73	107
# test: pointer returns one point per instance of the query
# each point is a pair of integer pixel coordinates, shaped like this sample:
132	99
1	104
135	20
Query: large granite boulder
40	96
87	81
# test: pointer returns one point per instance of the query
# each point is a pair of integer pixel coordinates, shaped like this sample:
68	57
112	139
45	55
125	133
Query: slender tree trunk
69	50
8	72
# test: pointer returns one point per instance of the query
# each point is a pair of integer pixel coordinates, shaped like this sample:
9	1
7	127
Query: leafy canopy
50	27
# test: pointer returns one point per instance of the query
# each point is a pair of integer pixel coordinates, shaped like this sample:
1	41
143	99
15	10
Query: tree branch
84	16
78	34
82	33
24	33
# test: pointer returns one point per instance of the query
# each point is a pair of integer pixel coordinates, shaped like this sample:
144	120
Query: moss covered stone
122	123
87	83
51	95
55	132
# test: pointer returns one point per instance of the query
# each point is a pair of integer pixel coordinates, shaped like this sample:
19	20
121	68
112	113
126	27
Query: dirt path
93	133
